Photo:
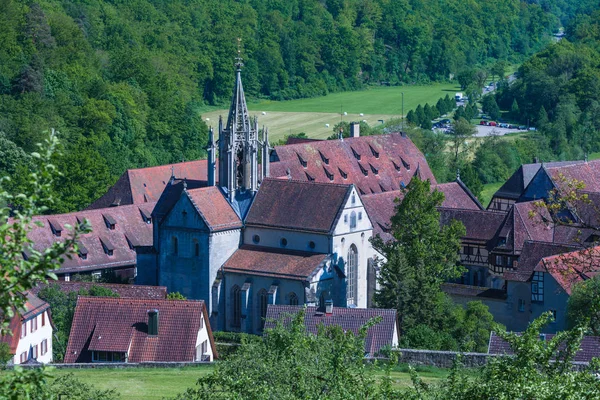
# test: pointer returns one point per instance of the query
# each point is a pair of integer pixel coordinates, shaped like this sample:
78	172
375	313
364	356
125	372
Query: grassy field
488	191
158	383
311	115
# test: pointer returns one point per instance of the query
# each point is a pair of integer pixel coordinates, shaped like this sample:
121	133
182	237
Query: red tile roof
134	291
115	324
531	254
350	319
480	225
588	349
266	261
130	224
588	172
33	306
381	207
214	208
570	268
145	185
372	163
305	206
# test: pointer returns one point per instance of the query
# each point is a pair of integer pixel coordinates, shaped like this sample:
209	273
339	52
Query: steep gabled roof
531	254
372	163
514	187
130	226
214	209
33	306
480	225
267	261
587	172
305	206
349	319
145	185
570	268
115	324
381	207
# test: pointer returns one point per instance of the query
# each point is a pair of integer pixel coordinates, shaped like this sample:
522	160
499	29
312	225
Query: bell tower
238	143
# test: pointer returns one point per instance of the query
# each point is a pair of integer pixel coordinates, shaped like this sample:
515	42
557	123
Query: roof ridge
273	179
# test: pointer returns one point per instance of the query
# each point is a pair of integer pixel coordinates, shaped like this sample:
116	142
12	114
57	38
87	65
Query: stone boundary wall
120	365
445	359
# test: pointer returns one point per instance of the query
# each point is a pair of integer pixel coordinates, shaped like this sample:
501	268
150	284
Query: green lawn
312	116
594	156
374	100
488	191
157	383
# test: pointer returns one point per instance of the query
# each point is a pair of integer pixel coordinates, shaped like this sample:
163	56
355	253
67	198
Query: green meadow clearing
158	383
311	115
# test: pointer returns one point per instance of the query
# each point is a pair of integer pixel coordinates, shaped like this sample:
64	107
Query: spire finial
184	183
585	157
238	60
172	171
458	174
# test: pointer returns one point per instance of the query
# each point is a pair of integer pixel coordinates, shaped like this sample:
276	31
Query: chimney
328	307
354	129
536	160
152	322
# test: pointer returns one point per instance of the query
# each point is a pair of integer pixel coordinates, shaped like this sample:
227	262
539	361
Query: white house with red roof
31	339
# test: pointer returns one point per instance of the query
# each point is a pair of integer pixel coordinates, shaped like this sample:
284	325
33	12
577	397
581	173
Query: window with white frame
351	275
44	347
537	287
34	352
352	220
34	324
24	329
23	357
204	347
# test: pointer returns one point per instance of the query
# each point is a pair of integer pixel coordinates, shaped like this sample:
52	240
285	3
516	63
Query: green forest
125	82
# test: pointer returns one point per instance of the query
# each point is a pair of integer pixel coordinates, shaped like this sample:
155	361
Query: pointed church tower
238	144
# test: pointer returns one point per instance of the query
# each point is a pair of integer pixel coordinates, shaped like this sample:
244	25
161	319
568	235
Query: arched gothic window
351	275
293	299
352	220
236	303
263	300
175	245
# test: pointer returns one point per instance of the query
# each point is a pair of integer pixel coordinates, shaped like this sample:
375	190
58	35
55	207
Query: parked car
492	123
522	127
482	123
532	128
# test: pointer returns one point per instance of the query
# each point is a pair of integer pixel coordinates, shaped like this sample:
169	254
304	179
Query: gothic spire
238	119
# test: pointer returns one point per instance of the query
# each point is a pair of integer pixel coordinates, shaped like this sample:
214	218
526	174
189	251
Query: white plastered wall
35	338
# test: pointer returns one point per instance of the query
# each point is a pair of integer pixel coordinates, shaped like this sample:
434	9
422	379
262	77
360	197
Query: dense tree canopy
126	82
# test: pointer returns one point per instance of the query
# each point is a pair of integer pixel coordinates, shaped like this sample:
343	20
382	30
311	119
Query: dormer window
132	241
373	169
396	166
56	227
382	188
374	152
110	222
325	159
328	173
146	216
502	241
82	251
107	246
356	154
82	220
309	177
363	170
343	174
406	165
302	160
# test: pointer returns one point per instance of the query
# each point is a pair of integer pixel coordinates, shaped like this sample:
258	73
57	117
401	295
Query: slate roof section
133	291
514	187
129	222
145	185
588	349
480	225
350	319
115	324
214	209
570	268
531	254
394	161
381	207
267	261
298	205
